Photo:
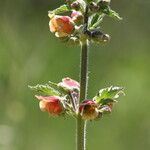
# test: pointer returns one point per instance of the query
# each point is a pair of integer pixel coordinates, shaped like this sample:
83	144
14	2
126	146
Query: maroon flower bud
88	110
51	104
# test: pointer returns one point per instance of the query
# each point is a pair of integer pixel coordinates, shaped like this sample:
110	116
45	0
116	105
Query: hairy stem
84	71
81	124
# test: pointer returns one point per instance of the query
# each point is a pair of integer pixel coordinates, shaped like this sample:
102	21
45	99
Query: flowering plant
78	22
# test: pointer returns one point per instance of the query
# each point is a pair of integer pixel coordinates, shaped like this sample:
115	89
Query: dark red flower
88	110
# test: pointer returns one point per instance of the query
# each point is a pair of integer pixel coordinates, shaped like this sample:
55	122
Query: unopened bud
105	38
77	17
75	5
93	7
98	36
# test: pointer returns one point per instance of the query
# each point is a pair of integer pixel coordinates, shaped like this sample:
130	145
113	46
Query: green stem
81	124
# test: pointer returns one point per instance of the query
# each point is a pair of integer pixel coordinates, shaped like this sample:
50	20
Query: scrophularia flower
51	104
69	84
62	26
88	110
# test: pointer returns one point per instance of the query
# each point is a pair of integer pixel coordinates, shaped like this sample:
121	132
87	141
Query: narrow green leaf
96	21
45	89
111	93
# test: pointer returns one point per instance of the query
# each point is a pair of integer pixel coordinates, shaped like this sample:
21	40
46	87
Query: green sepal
110	93
62	9
45	89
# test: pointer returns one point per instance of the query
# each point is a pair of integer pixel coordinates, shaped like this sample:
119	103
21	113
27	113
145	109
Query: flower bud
75	5
98	36
93	7
103	3
88	110
77	17
51	104
62	26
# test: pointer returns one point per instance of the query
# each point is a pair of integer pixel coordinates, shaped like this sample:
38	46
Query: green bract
45	89
108	94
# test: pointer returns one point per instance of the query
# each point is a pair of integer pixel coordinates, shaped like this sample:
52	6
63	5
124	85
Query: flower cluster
63	98
83	21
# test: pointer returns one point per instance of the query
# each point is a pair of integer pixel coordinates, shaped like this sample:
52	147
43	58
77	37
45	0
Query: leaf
114	14
109	93
97	24
58	88
62	9
45	89
106	101
95	21
111	13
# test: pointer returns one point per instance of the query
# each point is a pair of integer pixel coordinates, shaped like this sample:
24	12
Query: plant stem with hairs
81	124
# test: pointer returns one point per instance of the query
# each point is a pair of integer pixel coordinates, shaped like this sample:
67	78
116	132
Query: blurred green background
30	54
